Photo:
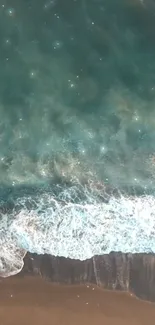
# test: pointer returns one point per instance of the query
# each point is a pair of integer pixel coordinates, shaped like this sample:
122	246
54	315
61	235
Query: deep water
77	128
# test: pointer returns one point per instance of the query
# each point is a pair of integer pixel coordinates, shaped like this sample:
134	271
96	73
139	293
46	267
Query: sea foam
78	230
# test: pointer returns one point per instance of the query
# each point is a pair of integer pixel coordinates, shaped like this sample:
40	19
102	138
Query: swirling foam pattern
62	227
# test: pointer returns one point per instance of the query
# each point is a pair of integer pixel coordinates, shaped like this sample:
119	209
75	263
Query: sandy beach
30	300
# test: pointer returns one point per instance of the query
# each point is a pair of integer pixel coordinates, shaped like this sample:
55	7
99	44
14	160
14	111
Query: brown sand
26	301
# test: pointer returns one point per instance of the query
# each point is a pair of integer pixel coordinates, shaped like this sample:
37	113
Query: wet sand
28	300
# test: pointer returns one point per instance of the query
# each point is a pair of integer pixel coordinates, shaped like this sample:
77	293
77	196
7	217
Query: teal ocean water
77	128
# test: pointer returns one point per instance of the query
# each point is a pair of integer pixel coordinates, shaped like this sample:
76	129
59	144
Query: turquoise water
77	124
77	92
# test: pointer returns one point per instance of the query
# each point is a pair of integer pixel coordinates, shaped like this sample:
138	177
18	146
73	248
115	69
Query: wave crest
64	225
11	253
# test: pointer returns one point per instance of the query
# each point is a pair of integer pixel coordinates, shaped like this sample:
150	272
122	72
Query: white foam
11	253
79	231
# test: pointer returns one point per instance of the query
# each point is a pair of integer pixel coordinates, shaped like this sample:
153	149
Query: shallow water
77	118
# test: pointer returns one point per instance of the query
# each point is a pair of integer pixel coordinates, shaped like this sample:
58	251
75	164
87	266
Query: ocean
77	128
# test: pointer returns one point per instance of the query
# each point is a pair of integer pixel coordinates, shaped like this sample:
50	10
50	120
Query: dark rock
133	273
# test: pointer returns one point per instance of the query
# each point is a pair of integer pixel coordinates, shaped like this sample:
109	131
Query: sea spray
76	230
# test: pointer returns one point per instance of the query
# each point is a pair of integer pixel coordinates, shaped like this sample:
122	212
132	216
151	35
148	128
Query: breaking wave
64	224
77	119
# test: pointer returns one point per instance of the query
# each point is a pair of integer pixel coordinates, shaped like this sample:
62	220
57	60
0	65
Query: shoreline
29	300
134	273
